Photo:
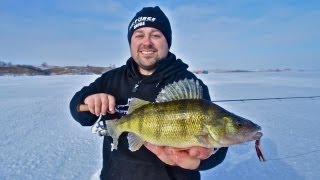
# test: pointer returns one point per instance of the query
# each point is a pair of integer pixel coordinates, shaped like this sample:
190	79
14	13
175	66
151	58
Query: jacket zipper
136	86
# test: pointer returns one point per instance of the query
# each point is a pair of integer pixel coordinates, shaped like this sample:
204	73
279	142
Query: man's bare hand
100	103
186	158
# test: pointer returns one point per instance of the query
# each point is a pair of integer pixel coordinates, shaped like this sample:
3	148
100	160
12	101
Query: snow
40	140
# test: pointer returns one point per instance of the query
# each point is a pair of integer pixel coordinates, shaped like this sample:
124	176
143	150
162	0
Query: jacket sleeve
205	92
220	155
213	160
85	118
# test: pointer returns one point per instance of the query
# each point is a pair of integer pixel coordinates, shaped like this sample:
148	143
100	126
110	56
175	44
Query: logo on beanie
141	21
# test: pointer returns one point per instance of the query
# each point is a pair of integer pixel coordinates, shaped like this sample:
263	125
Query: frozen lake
40	140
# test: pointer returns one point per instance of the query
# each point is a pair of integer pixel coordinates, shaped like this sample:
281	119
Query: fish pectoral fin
213	134
204	139
135	142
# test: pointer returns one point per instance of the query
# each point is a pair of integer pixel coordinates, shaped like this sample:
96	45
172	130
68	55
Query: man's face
148	46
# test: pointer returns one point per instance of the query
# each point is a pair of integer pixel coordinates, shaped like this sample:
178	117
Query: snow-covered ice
40	140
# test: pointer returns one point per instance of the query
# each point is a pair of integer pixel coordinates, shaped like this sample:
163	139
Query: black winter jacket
121	83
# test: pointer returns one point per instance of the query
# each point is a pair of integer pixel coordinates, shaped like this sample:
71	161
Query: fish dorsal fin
183	89
136	103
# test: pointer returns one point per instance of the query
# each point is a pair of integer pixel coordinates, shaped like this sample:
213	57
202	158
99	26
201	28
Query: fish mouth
257	135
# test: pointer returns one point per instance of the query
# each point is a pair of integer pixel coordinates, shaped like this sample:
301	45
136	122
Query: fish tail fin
113	132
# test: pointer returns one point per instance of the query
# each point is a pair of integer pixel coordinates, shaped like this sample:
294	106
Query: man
150	67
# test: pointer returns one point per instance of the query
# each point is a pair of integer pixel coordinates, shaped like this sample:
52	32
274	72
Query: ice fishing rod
266	99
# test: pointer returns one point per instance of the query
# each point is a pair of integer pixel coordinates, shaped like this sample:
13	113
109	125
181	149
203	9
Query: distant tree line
4	64
45	69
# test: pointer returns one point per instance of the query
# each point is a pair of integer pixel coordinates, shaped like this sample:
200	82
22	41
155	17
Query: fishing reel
99	127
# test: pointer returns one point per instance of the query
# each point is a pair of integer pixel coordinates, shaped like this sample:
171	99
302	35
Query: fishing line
293	156
266	99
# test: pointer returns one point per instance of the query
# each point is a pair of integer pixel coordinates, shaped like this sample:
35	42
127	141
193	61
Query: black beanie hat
151	17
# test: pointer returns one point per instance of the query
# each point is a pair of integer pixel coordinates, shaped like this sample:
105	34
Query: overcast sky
228	34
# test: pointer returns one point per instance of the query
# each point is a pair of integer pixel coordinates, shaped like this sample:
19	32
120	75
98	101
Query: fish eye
239	124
